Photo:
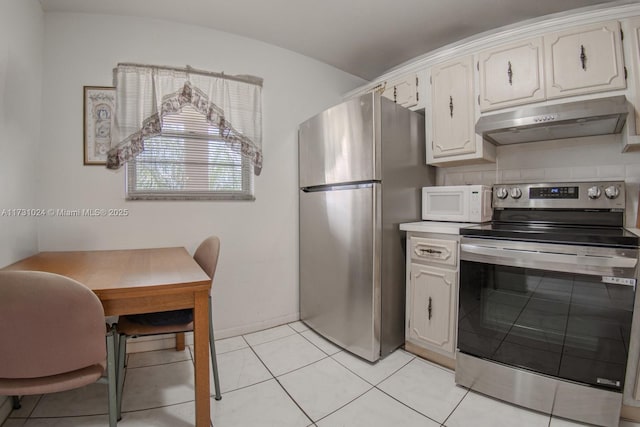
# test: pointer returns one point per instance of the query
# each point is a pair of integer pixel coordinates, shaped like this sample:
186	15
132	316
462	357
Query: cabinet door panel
584	60
631	29
389	92
511	75
453	110
404	91
635	44
432	307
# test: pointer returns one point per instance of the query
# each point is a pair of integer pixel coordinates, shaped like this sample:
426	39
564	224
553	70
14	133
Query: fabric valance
145	94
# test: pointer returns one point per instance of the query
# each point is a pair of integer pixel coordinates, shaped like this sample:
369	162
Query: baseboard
6	406
630	413
162	342
256	326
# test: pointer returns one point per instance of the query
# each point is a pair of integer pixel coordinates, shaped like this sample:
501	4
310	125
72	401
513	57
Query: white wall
21	44
578	159
256	284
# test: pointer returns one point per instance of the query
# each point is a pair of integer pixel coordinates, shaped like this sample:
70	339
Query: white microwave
458	203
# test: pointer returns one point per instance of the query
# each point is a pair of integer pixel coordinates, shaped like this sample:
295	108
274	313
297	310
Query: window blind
189	160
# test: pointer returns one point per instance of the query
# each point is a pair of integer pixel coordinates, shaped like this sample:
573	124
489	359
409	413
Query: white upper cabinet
512	74
584	60
631	29
451	136
452	107
577	61
404	91
634	41
571	56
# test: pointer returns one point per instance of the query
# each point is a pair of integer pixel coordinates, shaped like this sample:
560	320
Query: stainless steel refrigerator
361	169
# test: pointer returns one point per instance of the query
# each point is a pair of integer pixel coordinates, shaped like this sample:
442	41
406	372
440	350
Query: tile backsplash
578	159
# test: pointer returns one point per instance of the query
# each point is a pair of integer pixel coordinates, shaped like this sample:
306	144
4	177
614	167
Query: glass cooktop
598	236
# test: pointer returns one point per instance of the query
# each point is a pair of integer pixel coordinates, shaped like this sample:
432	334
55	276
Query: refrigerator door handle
349	186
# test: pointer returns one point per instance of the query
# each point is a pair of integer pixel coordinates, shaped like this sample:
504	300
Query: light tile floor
281	377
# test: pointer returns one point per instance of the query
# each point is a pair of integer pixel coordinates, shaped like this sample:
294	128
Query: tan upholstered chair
53	332
133	326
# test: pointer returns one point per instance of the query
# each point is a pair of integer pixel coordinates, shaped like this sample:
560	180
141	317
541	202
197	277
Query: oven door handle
577	263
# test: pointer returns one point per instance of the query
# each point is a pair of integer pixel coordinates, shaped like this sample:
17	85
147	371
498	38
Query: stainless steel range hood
601	116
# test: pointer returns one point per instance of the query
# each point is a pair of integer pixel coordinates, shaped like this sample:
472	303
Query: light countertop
435	227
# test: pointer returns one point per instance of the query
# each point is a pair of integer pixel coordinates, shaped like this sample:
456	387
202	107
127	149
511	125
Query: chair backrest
49	324
207	255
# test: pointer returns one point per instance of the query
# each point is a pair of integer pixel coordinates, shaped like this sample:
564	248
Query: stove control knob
593	192
611	192
516	193
501	193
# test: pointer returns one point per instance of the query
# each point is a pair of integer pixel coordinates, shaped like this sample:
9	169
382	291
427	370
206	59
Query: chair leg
214	360
111	377
122	350
15	402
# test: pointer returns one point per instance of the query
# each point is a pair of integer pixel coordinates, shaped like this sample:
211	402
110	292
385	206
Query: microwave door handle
527	258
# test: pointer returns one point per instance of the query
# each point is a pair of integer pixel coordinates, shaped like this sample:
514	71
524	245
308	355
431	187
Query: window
186	134
189	161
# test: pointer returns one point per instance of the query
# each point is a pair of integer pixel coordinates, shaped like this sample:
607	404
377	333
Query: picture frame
99	104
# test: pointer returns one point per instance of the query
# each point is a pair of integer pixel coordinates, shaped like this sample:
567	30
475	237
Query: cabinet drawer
434	251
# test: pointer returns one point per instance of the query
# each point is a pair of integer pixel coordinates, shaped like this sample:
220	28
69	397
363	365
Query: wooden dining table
134	281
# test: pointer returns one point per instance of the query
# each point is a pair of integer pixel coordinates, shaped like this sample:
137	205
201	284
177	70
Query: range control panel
577	195
555	192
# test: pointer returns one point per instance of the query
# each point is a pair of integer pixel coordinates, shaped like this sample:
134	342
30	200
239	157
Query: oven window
566	325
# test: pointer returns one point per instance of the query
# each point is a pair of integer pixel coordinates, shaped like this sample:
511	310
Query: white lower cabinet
432	294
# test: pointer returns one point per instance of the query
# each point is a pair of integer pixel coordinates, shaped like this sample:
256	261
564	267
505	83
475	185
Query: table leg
180	341
201	344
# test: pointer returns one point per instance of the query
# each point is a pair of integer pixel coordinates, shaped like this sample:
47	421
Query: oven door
558	310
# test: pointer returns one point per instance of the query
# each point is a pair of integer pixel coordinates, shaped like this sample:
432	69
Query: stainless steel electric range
547	292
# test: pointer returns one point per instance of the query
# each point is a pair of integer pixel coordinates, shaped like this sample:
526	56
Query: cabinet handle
510	74
430	251
429	308
451	106
395	94
583	58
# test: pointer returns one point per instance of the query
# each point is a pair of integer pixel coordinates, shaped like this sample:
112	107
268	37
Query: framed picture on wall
99	114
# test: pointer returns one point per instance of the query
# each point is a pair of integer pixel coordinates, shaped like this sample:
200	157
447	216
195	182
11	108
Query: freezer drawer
341	144
340	255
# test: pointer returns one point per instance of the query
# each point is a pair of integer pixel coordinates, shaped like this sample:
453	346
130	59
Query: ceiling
362	37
